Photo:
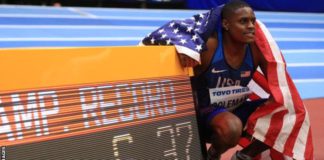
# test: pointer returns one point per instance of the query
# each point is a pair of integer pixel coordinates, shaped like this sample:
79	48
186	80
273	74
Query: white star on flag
161	30
198	47
152	40
189	29
164	35
171	24
175	31
183	41
168	42
201	15
194	37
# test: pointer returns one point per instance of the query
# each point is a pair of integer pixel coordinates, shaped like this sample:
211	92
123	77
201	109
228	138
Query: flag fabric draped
283	124
189	36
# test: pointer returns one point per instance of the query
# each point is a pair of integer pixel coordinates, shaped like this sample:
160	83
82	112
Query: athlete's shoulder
207	55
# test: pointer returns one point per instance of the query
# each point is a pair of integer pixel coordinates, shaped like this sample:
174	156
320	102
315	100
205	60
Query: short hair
231	6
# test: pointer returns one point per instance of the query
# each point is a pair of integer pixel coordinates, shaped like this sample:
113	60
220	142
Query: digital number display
140	119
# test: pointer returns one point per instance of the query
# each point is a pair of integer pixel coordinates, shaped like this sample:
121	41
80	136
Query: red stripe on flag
300	117
276	155
254	97
275	123
261	81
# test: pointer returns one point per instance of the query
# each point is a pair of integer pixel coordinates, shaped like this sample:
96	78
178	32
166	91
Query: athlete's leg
227	130
220	128
223	129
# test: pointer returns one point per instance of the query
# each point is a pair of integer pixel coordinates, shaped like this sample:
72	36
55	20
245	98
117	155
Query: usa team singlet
221	85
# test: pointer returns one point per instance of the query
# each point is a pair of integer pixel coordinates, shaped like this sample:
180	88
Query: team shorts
242	112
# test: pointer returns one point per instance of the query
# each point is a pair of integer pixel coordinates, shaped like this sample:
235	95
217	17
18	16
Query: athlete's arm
207	55
187	61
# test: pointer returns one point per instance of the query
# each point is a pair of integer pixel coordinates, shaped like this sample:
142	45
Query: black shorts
242	112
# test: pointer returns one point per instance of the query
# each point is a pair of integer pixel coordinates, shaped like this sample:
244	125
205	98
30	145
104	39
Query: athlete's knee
227	128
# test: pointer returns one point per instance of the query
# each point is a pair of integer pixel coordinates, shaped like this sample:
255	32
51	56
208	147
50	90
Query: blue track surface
299	35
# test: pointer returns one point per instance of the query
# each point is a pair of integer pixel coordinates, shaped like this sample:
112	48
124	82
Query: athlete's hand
187	61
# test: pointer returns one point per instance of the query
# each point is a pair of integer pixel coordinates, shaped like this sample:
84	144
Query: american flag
282	124
245	74
188	35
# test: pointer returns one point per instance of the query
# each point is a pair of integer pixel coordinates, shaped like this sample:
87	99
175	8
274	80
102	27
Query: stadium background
298	32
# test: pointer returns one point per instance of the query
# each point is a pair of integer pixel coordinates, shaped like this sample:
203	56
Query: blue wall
266	5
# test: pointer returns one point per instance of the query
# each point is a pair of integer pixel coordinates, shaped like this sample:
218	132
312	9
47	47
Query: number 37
172	131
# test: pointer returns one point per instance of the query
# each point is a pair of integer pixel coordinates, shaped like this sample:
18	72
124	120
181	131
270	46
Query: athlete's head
238	21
